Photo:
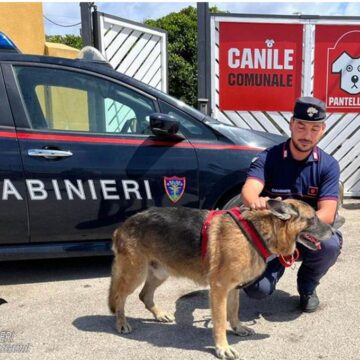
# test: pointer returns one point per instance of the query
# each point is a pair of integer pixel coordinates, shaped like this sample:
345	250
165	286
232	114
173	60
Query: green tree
70	40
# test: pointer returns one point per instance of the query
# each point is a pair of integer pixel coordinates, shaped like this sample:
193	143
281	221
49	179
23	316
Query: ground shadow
37	271
279	307
190	334
182	335
352	206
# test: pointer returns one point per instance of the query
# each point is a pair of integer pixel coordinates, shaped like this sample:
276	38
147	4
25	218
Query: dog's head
302	222
349	68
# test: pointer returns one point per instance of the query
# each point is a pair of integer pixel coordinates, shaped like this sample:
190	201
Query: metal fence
134	49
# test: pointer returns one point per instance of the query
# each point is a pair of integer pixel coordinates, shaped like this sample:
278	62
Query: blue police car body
81	150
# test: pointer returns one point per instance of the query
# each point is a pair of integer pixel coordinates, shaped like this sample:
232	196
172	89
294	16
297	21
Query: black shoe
309	302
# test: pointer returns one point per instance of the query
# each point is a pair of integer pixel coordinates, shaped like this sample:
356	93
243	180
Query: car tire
233	202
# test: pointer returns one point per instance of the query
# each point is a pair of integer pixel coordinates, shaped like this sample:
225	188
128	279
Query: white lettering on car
56	189
131	186
10	189
71	189
108	186
92	189
147	189
78	189
36	189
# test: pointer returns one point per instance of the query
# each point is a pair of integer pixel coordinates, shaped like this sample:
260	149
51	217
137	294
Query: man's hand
250	194
259	203
327	211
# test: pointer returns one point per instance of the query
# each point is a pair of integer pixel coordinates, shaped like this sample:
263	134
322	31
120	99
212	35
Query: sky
68	13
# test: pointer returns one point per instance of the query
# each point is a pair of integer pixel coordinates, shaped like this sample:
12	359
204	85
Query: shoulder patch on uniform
313	190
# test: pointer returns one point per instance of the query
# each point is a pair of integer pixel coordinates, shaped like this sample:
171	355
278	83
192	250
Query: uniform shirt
310	180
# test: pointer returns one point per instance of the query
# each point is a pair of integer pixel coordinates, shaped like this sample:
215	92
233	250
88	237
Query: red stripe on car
111	140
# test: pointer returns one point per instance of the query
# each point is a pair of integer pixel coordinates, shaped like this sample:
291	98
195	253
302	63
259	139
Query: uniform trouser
315	265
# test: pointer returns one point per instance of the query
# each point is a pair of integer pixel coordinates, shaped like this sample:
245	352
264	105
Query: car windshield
192	111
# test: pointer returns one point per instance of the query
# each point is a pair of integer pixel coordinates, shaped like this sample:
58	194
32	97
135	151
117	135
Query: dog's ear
339	222
281	210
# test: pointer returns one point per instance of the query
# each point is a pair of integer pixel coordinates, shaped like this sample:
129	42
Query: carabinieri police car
83	147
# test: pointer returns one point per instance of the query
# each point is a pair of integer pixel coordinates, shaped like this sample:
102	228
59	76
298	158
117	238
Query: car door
89	158
13	201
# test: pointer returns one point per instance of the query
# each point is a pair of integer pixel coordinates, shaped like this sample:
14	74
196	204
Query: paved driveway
58	310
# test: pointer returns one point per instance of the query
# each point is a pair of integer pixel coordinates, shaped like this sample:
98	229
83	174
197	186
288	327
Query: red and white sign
260	66
337	67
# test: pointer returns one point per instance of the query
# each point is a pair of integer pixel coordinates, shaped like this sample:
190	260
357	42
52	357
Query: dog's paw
227	353
241	330
164	317
123	328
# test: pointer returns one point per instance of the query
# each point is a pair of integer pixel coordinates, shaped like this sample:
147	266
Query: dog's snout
354	79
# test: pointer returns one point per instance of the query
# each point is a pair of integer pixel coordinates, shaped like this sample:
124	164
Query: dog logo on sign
349	69
174	187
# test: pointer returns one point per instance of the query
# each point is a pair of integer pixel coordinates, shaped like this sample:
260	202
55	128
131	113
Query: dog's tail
114	236
112	294
129	265
121	252
118	243
112	290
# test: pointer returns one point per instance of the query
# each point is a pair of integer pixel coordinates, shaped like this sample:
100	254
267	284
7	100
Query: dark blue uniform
311	180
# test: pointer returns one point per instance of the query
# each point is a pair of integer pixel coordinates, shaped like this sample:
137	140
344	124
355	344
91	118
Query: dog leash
249	231
205	227
246	227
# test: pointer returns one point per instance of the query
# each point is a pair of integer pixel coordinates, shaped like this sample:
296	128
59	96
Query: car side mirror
164	125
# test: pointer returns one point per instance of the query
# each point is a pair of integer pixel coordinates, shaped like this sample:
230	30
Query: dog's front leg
218	296
233	314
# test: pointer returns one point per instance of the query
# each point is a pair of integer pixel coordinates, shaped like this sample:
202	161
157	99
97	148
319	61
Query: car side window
57	99
190	127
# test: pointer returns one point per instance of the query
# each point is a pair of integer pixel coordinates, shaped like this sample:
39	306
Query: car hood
247	137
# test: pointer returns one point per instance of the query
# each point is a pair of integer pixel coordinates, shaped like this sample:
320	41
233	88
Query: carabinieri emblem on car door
174	187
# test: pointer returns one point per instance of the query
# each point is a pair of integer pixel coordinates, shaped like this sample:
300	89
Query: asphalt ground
57	309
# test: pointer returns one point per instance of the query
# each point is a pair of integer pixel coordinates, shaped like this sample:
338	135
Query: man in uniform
298	169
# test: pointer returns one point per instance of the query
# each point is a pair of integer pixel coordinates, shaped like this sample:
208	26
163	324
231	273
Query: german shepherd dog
159	242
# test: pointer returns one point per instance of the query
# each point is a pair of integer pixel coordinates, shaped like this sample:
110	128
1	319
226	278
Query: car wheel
233	202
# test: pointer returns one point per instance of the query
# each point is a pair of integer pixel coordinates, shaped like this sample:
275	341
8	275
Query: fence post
203	23
86	23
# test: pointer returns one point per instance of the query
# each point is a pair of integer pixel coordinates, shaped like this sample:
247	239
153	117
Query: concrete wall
60	50
24	24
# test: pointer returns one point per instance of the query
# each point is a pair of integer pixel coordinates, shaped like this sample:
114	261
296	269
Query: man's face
305	135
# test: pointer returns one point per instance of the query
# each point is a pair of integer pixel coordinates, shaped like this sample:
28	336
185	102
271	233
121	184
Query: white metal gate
342	137
134	49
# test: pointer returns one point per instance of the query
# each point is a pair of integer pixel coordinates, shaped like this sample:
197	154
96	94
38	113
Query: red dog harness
249	231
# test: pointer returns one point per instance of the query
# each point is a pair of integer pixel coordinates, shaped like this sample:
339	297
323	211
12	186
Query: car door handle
49	153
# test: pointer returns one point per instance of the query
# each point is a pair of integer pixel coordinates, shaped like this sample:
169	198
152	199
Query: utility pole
204	83
86	23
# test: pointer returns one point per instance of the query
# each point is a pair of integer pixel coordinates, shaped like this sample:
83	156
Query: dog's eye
358	68
310	222
349	68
